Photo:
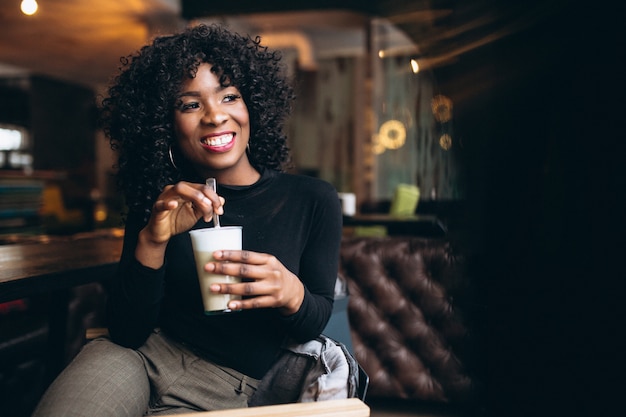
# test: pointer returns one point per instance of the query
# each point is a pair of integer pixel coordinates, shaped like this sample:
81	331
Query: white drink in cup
205	242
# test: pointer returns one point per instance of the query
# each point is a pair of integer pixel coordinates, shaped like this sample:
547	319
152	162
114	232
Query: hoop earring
169	152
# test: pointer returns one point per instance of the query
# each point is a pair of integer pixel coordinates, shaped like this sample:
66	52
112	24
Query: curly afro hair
138	114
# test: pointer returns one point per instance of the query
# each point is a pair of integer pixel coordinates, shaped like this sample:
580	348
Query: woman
199	104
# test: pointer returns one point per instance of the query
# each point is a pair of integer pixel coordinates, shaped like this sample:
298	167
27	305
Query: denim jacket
319	370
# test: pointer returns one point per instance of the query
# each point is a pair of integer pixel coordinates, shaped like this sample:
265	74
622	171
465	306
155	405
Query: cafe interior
449	129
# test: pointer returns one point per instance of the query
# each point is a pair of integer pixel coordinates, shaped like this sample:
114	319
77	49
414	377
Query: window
14	148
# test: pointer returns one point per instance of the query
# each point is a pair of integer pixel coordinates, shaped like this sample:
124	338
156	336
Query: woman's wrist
293	306
148	252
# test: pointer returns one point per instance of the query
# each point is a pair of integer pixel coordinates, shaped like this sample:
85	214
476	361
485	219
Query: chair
364	382
338	329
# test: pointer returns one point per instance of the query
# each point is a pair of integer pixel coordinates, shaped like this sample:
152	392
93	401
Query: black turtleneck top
295	218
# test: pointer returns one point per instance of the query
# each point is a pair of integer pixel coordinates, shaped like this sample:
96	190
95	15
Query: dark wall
14	104
62	124
539	113
63	127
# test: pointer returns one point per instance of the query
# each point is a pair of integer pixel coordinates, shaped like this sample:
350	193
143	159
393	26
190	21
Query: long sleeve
136	293
319	264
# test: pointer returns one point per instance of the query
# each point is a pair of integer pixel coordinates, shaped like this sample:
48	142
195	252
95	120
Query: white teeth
219	140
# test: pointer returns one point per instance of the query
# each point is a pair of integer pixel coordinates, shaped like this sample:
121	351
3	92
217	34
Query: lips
219	142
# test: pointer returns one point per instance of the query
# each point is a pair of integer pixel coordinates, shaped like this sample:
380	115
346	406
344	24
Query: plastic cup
205	242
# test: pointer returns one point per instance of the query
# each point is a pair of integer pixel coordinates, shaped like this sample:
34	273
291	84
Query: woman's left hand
269	284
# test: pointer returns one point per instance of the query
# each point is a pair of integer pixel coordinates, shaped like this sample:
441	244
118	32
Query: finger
245	289
234	269
197	194
252	303
202	199
243	256
166	204
217	202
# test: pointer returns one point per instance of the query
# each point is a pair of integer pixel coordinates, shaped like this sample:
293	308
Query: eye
230	98
187	106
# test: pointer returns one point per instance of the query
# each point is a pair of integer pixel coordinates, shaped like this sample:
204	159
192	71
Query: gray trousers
161	377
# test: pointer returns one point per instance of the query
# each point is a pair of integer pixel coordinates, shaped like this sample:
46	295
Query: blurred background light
29	7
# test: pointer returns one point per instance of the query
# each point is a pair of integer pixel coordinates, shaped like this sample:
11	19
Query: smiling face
213	128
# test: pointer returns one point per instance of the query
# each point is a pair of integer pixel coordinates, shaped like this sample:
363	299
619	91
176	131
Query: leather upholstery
406	330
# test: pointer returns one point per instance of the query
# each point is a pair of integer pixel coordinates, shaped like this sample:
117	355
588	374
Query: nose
213	115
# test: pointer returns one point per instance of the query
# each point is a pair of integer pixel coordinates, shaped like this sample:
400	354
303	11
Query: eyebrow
188	94
198	94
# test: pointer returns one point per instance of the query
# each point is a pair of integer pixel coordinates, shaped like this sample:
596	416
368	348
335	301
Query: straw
211	182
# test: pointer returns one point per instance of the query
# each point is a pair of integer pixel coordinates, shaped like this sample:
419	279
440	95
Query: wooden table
53	266
351	407
35	268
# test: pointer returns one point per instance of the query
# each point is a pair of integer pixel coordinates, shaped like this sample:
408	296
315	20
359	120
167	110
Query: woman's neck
240	176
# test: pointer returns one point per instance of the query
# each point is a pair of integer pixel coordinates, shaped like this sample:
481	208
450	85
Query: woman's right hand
177	209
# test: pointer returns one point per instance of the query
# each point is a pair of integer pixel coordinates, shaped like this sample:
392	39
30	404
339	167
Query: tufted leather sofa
408	333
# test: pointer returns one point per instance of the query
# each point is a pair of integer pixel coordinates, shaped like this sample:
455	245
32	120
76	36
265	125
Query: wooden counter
417	225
